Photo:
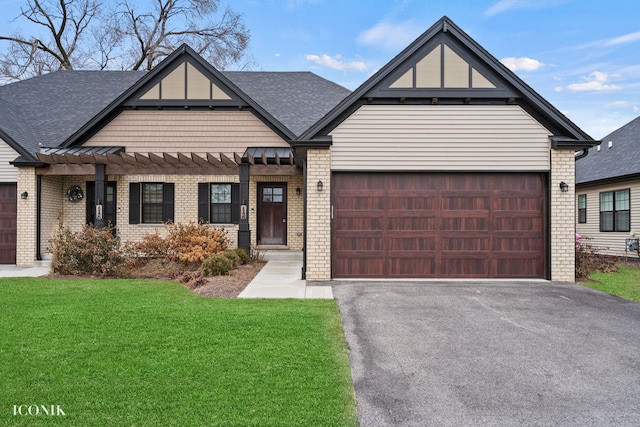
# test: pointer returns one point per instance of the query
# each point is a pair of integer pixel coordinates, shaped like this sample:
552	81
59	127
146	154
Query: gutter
582	155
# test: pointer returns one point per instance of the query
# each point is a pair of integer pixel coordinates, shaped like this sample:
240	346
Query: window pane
220	213
220	193
606	221
622	200
582	216
606	201
622	221
582	201
152	193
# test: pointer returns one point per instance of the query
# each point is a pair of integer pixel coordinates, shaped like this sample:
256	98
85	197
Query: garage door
445	225
8	223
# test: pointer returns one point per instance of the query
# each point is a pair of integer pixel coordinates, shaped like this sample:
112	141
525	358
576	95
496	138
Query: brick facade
26	228
563	255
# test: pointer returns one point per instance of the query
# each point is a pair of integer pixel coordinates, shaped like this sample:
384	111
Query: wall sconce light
298	191
564	187
320	185
24	195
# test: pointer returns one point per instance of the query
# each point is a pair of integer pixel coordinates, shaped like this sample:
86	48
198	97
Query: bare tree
156	33
64	23
81	34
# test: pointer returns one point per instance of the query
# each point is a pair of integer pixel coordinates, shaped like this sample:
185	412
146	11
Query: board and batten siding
440	137
8	173
186	131
610	242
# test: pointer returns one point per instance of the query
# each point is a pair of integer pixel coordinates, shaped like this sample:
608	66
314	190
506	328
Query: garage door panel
439	225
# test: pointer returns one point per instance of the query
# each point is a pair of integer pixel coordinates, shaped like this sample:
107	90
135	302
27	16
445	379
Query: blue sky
583	56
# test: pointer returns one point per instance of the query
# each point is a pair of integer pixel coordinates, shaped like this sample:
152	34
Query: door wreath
74	193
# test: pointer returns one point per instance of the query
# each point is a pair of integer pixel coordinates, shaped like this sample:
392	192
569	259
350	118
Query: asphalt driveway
491	354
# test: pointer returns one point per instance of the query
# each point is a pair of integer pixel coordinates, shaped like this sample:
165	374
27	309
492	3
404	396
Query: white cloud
391	35
596	81
506	5
627	38
336	62
522	64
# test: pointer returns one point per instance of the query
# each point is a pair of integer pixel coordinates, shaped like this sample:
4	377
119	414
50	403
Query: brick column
26	235
318	250
563	255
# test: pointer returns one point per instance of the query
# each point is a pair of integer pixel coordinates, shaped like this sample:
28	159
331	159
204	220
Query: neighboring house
608	192
443	164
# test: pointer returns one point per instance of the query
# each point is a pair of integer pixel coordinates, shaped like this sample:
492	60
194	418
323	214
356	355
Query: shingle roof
622	159
57	104
295	99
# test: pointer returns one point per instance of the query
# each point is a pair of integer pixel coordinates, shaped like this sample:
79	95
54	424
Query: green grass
150	353
625	283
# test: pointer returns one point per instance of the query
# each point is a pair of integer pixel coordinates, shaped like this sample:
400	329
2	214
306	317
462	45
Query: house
608	192
442	164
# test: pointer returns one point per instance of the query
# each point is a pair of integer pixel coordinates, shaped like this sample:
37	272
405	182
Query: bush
244	257
216	265
190	279
186	243
233	257
589	261
91	251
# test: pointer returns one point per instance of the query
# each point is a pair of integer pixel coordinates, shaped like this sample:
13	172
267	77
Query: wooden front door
8	223
109	206
272	213
439	225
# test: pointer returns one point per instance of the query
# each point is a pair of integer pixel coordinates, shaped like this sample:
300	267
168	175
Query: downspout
38	217
304	213
585	153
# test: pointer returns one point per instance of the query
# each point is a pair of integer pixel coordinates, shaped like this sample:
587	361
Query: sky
583	56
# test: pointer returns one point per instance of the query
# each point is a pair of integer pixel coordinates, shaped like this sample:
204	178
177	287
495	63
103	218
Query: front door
272	213
109	206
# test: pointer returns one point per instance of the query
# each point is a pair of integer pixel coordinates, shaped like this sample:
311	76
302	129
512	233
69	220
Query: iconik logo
38	410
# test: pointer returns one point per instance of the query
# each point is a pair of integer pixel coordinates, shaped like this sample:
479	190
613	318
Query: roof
56	108
307	96
510	87
620	160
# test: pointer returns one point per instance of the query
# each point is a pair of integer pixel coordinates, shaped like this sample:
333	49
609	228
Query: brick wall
26	224
563	257
318	215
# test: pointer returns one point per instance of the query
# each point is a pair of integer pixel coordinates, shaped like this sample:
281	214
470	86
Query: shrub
190	279
216	265
244	257
589	260
152	246
193	243
91	251
233	257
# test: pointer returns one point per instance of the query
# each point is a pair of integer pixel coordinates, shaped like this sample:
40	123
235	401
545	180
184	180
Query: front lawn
625	283
149	353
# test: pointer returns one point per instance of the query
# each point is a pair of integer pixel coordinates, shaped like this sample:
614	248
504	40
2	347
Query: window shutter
203	202
235	203
134	203
167	202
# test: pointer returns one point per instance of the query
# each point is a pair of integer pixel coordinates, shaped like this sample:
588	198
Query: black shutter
203	202
235	203
134	203
167	202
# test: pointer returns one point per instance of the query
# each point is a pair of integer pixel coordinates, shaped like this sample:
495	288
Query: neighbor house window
614	210
150	203
218	203
582	208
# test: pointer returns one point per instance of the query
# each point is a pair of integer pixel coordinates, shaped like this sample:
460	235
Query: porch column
100	195
244	233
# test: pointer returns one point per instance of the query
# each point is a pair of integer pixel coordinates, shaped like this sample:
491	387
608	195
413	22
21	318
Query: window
582	208
150	203
219	203
614	210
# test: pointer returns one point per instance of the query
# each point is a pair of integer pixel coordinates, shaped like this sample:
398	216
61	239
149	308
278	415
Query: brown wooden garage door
8	223
391	225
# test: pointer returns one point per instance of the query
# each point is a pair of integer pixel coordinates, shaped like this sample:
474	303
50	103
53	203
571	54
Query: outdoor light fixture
298	191
24	195
320	185
564	187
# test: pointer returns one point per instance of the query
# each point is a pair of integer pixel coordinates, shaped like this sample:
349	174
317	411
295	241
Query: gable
444	66
8	173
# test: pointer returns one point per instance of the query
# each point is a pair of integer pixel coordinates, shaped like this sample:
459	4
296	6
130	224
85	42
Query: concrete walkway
280	278
41	268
